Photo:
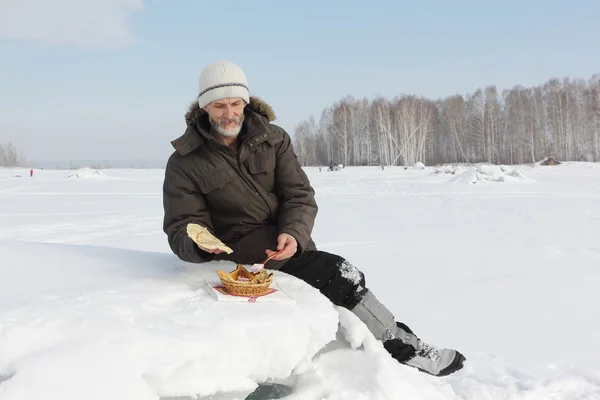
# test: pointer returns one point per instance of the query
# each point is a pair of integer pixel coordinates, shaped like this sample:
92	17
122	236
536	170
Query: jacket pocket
221	189
261	167
216	179
261	163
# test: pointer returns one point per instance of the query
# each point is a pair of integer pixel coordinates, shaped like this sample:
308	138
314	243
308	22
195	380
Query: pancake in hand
203	238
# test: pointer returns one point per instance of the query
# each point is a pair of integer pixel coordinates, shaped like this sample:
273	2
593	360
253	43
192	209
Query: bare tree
454	113
382	126
10	156
593	103
303	142
560	118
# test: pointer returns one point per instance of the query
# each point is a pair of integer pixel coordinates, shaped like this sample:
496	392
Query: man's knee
350	273
348	285
336	278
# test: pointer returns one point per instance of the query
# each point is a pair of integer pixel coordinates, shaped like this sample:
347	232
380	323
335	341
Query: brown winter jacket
245	199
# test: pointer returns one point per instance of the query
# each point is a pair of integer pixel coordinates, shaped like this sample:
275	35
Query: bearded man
235	173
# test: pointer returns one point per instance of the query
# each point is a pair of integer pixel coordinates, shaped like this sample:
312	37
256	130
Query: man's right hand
205	240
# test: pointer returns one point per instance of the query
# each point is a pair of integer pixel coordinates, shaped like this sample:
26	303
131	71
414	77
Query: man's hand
205	240
286	244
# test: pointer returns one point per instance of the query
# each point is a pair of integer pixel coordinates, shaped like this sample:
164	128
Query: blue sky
111	79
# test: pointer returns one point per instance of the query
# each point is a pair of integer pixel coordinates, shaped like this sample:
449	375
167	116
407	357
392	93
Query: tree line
560	119
10	156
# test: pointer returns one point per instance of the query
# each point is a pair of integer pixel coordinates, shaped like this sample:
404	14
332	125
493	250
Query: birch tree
10	156
560	118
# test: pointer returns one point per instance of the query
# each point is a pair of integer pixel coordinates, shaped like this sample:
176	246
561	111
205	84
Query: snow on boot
435	361
425	357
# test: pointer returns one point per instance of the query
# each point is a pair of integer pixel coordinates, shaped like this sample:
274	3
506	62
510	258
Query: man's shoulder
276	134
189	141
176	160
182	159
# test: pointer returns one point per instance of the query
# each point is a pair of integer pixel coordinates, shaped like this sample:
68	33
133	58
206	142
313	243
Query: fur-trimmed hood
256	104
257	112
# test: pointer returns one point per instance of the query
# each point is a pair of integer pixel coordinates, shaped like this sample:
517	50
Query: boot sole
456	364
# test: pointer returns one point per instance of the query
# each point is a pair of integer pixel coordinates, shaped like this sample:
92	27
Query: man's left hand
286	244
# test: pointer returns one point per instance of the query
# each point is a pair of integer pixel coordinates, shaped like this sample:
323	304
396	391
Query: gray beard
227	132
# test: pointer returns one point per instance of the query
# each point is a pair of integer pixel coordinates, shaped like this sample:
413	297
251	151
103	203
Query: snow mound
446	170
104	323
488	173
87	173
548	161
419	166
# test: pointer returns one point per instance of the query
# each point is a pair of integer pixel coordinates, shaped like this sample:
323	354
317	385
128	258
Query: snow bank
99	323
487	172
82	322
86	173
85	322
13	172
548	161
446	169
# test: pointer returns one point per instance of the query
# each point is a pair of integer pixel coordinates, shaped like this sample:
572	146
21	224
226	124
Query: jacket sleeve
298	208
183	204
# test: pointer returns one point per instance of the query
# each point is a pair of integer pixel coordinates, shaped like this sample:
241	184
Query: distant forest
10	156
559	119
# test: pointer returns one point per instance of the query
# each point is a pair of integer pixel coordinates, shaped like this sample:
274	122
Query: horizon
72	165
117	76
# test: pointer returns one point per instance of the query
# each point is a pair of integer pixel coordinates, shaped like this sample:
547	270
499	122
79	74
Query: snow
86	173
93	305
350	272
482	173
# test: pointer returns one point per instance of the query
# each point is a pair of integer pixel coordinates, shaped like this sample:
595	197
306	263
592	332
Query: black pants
344	285
336	278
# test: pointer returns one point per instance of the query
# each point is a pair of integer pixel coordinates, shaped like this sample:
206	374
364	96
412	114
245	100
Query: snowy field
500	263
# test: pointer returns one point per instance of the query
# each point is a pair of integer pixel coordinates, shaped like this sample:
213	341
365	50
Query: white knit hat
222	79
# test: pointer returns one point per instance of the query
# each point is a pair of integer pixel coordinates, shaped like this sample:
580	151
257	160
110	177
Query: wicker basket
244	288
